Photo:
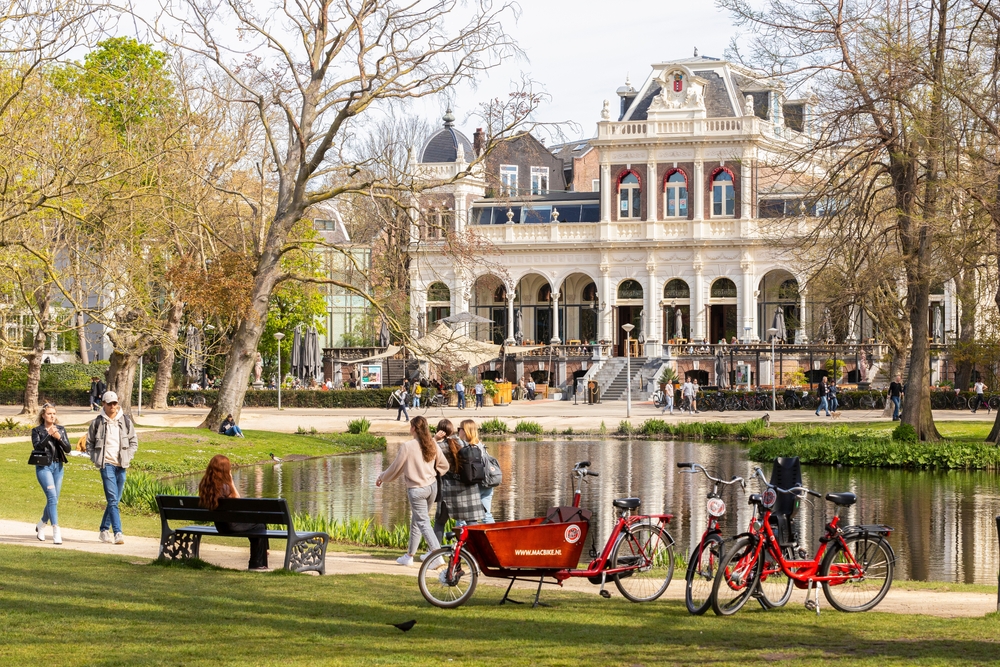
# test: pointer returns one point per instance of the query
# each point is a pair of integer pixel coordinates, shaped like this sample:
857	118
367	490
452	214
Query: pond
944	521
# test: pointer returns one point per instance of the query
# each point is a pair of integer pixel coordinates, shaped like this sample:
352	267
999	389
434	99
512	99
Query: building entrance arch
722	322
778	289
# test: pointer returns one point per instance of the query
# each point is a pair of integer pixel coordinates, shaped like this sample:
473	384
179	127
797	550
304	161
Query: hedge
300	398
54	376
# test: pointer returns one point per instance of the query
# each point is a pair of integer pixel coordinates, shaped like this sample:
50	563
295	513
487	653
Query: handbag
40	457
494	475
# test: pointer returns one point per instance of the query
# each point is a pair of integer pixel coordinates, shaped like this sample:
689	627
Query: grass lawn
69	609
162	453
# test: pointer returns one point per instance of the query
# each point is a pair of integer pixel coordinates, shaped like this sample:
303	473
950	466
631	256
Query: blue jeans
402	411
114	483
50	477
895	409
834	404
823	405
416	401
461	399
486	494
233	431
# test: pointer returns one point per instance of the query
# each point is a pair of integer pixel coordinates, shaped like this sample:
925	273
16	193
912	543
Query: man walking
97	389
895	394
111	444
822	395
460	390
832	392
479	394
980	401
403	397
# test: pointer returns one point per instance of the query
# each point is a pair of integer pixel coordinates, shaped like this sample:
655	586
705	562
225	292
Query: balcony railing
694	127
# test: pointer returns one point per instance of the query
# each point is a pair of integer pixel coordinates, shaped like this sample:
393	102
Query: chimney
477	141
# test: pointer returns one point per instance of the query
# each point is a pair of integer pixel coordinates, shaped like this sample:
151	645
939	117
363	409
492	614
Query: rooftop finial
696	52
449	119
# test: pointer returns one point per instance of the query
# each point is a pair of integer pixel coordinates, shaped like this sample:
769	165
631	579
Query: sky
580	51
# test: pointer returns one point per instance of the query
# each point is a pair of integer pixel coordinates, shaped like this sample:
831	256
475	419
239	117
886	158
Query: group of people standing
689	397
430	468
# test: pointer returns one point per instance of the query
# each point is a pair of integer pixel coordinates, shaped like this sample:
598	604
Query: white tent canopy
444	346
388	352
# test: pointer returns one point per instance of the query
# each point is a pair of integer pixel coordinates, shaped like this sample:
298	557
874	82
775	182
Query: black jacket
57	448
97	389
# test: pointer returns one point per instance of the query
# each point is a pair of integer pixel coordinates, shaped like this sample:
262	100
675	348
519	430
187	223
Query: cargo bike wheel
650	550
444	585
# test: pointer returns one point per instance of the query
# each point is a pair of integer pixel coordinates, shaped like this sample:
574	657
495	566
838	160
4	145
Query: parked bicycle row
800	399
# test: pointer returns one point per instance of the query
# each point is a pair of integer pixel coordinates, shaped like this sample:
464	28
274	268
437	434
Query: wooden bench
304	552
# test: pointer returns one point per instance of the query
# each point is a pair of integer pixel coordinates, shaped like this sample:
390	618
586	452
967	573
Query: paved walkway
559	415
931	603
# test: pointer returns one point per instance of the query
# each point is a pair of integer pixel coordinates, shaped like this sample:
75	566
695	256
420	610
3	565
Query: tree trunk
42	298
81	333
965	290
917	402
121	377
994	435
243	353
164	372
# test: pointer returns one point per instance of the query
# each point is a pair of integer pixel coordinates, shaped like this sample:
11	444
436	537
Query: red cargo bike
638	556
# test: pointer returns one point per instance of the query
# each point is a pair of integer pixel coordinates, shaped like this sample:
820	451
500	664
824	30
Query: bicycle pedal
803	554
605	594
810	605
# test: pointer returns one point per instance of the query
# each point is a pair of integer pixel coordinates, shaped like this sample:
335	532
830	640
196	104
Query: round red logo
768	498
716	506
572	533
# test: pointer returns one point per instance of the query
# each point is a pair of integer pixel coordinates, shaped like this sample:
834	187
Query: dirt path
932	603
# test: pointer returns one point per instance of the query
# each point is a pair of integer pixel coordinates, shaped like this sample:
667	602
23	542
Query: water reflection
944	521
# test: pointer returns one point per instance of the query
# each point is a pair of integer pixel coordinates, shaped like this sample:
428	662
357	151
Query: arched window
544	293
500	294
675	195
789	290
630	289
723	288
676	289
438	292
723	195
590	293
629	197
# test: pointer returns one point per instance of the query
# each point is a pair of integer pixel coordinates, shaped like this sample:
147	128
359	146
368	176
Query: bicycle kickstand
603	593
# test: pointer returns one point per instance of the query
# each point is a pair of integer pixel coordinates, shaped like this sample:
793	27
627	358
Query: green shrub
625	427
141	489
358	426
689	429
533	428
717	430
654	427
668	376
364	532
54	376
751	429
904	433
603	430
493	426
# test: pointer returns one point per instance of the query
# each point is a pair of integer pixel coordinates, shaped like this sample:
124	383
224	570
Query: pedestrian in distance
97	389
459	501
229	427
668	399
694	395
49	446
419	461
402	398
896	393
418	389
111	444
460	390
217	484
822	393
980	401
479	394
530	388
832	393
468	433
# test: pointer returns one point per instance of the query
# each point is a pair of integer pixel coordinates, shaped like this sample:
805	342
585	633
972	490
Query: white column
652	332
510	313
652	190
555	340
607	192
801	336
698	305
604	285
747	299
698	190
745	197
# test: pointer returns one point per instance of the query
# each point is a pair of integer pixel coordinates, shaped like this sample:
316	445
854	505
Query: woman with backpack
419	461
468	431
460	500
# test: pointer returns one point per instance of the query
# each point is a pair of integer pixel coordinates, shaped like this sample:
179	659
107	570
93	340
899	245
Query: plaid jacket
462	500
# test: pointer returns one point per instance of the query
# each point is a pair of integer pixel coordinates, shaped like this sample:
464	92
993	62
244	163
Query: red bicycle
706	555
638	556
854	564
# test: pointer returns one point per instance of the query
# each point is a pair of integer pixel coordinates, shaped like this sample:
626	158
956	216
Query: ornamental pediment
682	95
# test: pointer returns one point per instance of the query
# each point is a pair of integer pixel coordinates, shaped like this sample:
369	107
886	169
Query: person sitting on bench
218	484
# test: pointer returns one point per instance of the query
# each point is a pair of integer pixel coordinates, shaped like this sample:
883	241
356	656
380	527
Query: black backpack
471	466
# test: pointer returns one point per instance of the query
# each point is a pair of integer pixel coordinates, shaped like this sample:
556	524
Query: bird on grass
405	626
275	458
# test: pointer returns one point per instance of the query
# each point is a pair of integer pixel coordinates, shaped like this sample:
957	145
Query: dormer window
629	198
508	180
675	196
723	195
539	180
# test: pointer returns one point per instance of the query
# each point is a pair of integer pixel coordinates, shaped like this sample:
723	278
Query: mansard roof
443	144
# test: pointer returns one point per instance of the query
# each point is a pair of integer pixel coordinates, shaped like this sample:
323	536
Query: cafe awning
388	352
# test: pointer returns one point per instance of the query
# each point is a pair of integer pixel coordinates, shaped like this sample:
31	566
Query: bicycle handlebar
695	467
795	490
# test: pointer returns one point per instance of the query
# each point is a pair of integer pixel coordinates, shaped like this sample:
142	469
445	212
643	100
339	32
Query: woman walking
459	501
216	484
419	461
468	431
50	444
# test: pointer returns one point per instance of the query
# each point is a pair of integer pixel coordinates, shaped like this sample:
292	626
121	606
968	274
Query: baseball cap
109	397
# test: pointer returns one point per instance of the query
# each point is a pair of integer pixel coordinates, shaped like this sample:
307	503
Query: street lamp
628	368
772	332
278	336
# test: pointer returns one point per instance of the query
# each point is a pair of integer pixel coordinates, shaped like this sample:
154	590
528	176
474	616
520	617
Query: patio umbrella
518	327
465	318
296	368
678	323
938	325
383	335
779	324
642	327
721	370
318	359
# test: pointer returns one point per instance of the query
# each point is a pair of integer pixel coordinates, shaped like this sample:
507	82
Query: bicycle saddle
754	499
845	499
626	503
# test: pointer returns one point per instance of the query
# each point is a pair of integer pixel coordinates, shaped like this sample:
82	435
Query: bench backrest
271	511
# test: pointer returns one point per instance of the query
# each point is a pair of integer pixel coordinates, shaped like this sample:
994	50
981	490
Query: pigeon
405	626
275	458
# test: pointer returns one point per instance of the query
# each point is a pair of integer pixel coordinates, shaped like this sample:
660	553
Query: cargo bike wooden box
638	556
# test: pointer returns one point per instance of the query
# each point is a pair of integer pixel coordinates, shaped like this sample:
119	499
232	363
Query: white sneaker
119	538
106	536
423	557
405	559
56	536
40	531
436	563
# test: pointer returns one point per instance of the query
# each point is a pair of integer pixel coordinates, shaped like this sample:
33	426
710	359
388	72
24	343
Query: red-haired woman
218	484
